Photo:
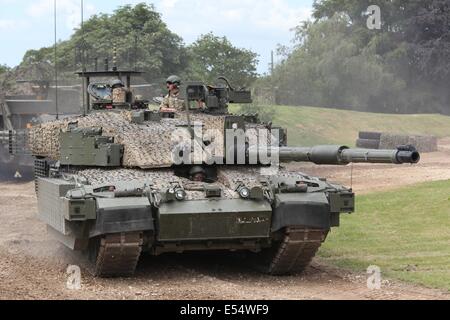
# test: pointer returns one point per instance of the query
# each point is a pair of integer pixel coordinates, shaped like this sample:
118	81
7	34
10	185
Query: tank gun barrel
342	155
398	156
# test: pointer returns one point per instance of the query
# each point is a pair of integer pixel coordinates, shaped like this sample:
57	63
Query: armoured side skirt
72	240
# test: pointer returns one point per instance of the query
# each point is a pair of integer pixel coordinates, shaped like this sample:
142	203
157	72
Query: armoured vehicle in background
123	180
19	112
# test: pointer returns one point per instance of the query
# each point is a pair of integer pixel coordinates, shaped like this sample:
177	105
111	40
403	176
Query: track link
118	254
296	250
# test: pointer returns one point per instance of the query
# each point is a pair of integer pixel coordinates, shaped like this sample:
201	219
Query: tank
123	180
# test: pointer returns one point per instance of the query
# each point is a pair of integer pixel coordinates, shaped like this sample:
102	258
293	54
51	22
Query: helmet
196	170
174	79
197	174
116	83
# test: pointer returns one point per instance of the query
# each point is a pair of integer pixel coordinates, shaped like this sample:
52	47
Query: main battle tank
122	180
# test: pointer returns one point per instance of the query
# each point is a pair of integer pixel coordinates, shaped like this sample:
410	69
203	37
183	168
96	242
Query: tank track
295	252
118	254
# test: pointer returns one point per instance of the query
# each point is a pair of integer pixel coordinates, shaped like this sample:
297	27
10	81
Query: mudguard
118	215
301	209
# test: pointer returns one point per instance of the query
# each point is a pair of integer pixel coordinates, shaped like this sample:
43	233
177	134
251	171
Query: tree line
137	38
335	60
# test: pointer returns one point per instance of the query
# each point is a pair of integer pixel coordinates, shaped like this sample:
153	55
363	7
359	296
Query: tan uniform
173	101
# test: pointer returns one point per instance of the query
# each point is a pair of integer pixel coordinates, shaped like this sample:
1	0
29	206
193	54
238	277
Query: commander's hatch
99	92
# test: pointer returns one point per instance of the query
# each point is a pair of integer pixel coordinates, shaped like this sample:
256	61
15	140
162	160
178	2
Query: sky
258	25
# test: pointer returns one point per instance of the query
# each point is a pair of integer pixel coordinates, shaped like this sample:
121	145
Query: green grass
406	233
309	126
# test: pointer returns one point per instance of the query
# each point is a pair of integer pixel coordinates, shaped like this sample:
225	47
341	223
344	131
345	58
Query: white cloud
9	24
6	24
258	25
273	15
68	11
169	4
278	14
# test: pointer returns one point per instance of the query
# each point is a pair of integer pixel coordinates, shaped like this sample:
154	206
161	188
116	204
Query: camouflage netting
146	146
229	178
422	143
160	179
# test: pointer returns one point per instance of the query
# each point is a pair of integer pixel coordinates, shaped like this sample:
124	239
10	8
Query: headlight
244	192
173	194
180	194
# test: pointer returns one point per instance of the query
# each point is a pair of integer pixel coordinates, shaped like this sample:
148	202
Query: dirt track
33	266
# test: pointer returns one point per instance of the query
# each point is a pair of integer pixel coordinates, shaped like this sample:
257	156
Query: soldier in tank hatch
172	99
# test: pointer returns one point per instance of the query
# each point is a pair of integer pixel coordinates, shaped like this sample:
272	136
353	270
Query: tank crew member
197	174
172	99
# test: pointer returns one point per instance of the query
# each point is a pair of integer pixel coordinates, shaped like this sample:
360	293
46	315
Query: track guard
301	209
118	215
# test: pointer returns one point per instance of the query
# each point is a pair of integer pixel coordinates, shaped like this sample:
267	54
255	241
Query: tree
3	69
211	56
327	68
414	44
141	38
338	62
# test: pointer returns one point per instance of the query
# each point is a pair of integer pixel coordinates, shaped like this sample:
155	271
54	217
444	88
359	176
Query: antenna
56	65
83	65
135	50
272	63
114	56
83	47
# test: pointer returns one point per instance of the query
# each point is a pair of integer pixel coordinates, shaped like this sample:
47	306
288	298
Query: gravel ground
33	266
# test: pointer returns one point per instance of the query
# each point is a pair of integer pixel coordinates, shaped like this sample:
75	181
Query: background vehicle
18	113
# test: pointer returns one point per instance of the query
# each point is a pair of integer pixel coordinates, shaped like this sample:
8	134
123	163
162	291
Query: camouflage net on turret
149	145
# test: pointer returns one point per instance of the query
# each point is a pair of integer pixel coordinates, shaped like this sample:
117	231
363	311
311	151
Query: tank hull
291	226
